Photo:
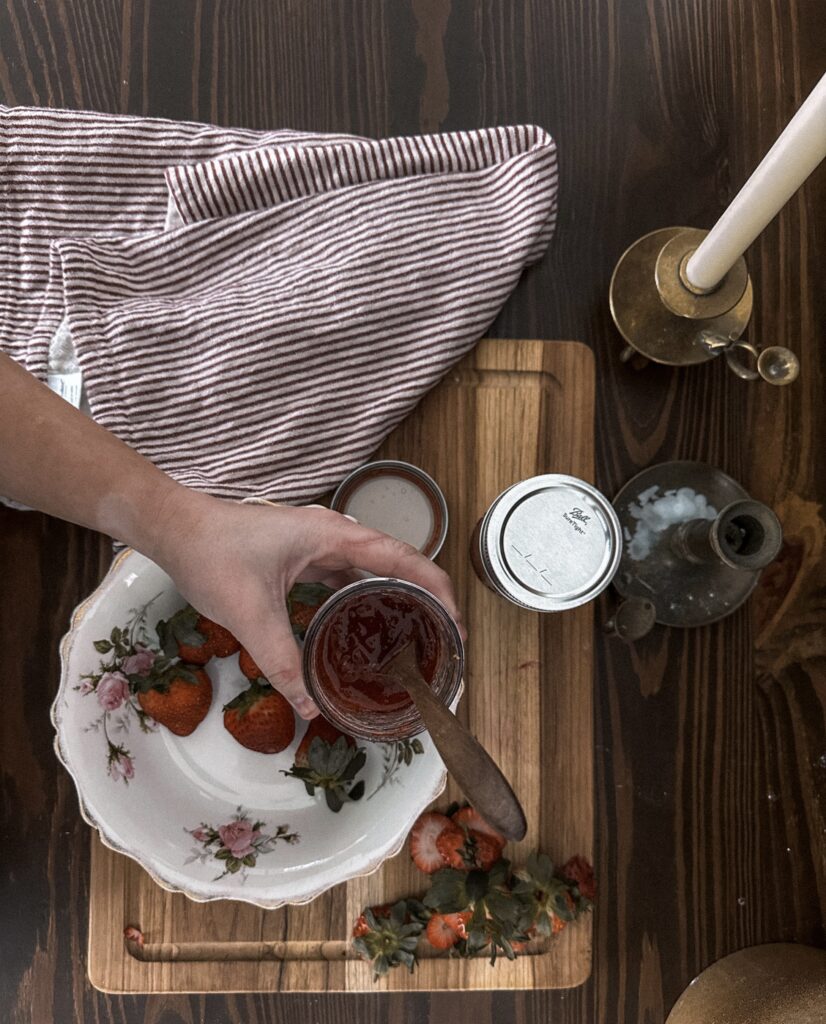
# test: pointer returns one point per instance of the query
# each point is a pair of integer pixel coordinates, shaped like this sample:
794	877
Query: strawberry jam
353	637
363	634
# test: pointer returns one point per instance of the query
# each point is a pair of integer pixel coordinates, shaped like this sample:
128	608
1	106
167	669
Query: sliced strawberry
423	836
471	819
361	927
451	845
439	932
459	922
486	851
221	642
465	850
248	666
579	871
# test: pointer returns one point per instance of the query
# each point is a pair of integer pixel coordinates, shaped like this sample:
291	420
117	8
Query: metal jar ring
743	371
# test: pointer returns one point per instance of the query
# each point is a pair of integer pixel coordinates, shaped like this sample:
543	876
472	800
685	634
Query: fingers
363	548
335	579
274	650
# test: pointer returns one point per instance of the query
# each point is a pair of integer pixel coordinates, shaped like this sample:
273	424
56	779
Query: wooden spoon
465	758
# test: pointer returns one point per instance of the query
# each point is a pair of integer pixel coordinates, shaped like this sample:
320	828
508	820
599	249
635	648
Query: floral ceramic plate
202	814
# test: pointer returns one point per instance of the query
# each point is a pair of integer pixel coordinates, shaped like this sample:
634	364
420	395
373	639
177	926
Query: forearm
56	459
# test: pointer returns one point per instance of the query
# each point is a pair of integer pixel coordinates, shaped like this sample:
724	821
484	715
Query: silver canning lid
399	499
550	543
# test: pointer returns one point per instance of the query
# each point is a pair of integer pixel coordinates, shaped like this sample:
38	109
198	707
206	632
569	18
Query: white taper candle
782	171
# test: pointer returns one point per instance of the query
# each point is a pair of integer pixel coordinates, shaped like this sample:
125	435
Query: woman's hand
236	563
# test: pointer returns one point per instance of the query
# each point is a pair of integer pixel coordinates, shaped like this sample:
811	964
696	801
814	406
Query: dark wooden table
710	744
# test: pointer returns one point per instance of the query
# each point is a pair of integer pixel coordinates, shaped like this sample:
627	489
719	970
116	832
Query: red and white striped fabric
256	311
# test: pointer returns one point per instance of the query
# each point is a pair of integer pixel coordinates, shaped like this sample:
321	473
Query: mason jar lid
399	499
550	543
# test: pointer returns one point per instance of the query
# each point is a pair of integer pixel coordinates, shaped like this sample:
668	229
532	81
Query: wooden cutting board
510	410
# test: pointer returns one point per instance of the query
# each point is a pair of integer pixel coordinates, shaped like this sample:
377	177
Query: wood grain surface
711	777
510	410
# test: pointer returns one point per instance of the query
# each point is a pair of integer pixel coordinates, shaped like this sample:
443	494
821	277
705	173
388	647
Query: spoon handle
475	771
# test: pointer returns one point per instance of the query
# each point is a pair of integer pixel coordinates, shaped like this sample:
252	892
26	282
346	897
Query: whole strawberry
181	637
178	698
219	639
260	719
248	666
329	760
194	638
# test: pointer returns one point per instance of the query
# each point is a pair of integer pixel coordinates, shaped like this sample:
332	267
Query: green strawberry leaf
503	906
447	893
334	801
540	868
186	673
406	958
190	637
356	763
398	912
318	756
543	924
560	906
338	756
476	885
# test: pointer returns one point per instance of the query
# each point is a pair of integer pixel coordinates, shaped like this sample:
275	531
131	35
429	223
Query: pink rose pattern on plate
130	652
126	652
238	844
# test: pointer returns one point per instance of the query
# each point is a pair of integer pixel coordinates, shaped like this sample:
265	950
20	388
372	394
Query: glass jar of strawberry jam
352	638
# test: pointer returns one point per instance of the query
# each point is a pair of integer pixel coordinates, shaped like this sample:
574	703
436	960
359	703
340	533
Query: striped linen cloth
255	311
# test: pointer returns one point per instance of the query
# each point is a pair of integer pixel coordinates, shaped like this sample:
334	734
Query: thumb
276	653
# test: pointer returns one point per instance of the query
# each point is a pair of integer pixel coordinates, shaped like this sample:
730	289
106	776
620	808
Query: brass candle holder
665	318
